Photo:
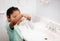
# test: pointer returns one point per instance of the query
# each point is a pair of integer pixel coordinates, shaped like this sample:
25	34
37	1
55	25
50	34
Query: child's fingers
18	22
29	18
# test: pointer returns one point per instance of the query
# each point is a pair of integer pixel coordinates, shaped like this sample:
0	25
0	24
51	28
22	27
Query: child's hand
27	16
18	22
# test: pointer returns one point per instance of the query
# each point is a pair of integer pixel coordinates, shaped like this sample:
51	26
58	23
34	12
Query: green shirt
14	35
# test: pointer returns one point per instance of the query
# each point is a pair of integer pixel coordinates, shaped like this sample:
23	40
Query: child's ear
8	18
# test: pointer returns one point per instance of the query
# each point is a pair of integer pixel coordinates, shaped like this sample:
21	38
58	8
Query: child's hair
10	10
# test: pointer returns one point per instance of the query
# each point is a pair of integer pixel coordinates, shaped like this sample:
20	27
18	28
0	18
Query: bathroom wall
26	6
3	32
49	10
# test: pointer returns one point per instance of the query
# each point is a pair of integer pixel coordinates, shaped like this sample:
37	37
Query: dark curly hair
10	11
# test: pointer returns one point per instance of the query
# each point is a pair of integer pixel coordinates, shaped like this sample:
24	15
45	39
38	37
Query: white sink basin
38	33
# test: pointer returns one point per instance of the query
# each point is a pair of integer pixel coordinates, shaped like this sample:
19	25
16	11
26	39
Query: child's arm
27	16
17	20
14	21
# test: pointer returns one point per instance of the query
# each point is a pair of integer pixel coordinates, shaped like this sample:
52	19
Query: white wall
50	10
3	32
26	6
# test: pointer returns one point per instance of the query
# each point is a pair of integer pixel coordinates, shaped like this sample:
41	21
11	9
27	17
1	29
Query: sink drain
46	38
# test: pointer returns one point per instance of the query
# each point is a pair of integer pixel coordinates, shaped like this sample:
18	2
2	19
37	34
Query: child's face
14	15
